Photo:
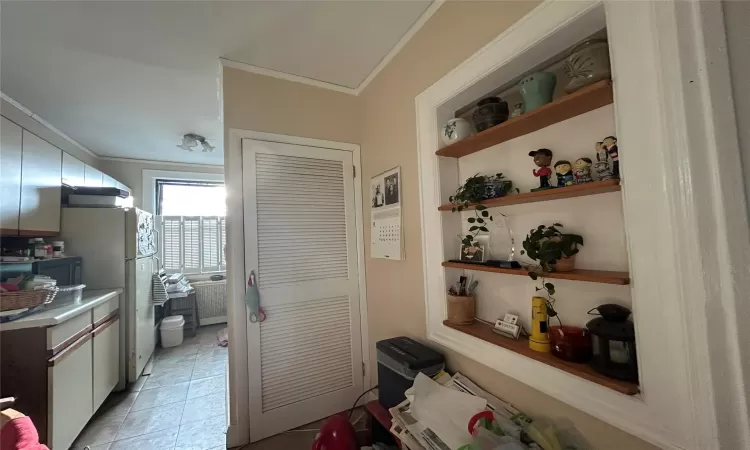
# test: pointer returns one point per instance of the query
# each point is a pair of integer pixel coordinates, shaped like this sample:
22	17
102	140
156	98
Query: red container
571	343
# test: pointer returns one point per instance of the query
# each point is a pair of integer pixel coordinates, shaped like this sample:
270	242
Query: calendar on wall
385	217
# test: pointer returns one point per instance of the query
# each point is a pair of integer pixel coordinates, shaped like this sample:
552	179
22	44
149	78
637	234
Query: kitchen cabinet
70	376
41	175
106	361
92	177
123	187
11	136
108	181
62	373
72	171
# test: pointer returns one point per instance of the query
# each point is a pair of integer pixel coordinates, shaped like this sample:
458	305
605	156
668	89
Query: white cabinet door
72	171
108	181
106	360
41	174
70	397
11	136
92	177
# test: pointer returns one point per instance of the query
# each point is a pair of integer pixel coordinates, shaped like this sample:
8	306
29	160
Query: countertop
50	317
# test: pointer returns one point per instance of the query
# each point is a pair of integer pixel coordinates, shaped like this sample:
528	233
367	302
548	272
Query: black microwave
67	271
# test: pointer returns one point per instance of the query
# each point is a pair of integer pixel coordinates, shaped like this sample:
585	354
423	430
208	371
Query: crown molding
46	124
416	26
160	163
286	76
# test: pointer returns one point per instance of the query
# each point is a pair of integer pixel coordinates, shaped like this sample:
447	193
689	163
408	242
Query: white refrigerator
118	248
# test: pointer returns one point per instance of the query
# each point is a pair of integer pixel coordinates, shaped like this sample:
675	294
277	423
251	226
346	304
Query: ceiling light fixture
190	141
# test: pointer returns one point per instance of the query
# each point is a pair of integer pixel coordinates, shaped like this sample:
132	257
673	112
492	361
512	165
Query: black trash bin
400	359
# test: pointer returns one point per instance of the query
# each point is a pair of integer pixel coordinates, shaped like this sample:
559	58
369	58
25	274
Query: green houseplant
475	190
548	246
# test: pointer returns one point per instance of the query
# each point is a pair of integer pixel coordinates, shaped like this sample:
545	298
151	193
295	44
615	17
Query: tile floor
180	406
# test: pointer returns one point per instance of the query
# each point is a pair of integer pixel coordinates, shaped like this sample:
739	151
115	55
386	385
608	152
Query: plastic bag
493	432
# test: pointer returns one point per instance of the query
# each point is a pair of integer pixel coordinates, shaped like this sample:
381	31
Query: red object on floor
336	434
20	434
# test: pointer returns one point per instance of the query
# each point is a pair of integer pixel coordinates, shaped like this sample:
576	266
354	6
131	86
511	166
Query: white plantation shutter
193	244
171	243
210	239
192	247
223	242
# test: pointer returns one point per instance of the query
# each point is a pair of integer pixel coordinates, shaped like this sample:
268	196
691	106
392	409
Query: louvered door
305	360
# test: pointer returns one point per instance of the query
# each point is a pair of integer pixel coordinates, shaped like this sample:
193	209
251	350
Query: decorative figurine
543	159
602	165
564	172
582	172
517	110
610	145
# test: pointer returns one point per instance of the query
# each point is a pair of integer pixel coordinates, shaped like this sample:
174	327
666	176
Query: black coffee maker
613	337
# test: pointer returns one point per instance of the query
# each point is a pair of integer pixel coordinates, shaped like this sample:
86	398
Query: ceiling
128	78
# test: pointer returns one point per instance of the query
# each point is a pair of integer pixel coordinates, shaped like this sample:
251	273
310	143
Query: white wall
131	173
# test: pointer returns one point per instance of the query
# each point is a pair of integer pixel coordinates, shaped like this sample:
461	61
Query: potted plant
475	190
555	251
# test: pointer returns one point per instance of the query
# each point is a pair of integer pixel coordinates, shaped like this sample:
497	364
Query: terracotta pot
566	264
461	309
571	343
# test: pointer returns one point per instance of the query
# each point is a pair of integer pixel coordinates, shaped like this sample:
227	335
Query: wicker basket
26	299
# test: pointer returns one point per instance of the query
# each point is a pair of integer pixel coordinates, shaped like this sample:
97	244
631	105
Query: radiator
211	297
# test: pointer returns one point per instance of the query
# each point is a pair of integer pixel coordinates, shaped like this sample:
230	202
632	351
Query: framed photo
391	188
473	253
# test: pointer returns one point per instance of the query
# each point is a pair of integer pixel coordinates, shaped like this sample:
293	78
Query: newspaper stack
416	436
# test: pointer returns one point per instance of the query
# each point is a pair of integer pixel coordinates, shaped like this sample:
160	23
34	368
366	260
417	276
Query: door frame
238	432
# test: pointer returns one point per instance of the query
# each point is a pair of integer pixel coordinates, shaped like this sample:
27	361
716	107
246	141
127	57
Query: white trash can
171	331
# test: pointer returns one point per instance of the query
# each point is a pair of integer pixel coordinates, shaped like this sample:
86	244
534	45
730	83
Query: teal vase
537	90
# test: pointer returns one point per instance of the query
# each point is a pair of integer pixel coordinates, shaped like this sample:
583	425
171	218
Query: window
193	225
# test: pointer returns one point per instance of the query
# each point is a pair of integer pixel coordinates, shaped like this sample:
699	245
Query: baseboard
213	320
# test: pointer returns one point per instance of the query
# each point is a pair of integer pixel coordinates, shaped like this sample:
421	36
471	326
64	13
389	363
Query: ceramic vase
588	63
490	112
455	130
537	90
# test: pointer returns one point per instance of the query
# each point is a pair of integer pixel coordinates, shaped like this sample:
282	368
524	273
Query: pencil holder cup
461	309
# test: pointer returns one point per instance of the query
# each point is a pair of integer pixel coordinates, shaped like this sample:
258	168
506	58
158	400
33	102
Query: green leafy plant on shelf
548	245
475	190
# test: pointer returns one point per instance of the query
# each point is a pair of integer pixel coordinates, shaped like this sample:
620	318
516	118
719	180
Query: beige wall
131	173
260	103
382	120
388	139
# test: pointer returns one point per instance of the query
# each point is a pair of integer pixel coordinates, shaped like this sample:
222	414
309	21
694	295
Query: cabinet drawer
106	364
61	336
106	311
70	397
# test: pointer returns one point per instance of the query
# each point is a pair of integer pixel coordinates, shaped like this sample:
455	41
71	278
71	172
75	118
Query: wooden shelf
521	346
577	190
593	276
580	102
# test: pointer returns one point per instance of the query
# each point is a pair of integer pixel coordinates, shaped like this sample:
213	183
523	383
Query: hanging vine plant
475	190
